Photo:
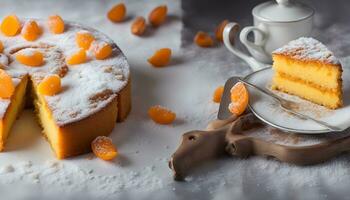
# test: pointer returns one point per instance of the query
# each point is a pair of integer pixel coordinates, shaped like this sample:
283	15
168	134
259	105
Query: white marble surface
141	171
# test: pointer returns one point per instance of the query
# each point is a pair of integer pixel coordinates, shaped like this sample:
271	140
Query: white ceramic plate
265	108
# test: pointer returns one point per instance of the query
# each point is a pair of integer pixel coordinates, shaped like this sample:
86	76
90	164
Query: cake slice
306	68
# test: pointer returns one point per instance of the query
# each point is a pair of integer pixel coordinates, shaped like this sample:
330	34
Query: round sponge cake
95	94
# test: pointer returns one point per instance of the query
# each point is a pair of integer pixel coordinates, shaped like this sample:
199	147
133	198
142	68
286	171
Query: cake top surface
86	88
307	48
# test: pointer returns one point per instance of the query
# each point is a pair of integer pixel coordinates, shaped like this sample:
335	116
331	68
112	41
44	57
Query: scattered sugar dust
59	177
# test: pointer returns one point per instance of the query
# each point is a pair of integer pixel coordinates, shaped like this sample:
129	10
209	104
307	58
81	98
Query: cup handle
230	31
257	46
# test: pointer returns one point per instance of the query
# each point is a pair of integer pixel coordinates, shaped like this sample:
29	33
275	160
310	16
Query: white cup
275	24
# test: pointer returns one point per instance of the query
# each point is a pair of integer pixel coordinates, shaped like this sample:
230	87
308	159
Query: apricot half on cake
103	148
50	85
102	50
30	57
77	57
6	85
31	30
84	39
160	58
56	24
161	115
10	25
239	99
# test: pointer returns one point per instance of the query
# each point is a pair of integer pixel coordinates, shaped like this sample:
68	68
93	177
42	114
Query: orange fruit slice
203	39
50	85
220	29
102	50
218	94
56	24
10	25
158	15
84	39
6	85
161	115
160	58
31	30
239	99
103	148
32	58
117	13
138	27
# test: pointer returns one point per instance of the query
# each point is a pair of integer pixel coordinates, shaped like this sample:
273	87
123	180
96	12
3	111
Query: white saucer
266	109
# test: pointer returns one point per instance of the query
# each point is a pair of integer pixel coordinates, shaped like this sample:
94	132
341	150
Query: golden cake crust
77	136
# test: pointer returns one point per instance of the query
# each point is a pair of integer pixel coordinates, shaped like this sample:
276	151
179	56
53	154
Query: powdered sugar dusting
80	82
308	49
27	52
5	103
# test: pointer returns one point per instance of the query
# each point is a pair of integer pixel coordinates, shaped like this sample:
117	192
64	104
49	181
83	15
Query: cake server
202	145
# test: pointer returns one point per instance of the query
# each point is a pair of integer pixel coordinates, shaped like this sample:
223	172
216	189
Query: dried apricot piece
158	15
10	25
56	24
103	148
31	30
6	85
117	13
218	94
239	99
203	39
160	58
102	50
1	47
138	27
220	29
161	115
30	57
77	57
50	85
84	39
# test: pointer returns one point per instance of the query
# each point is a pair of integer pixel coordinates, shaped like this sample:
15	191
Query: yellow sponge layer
324	75
292	86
